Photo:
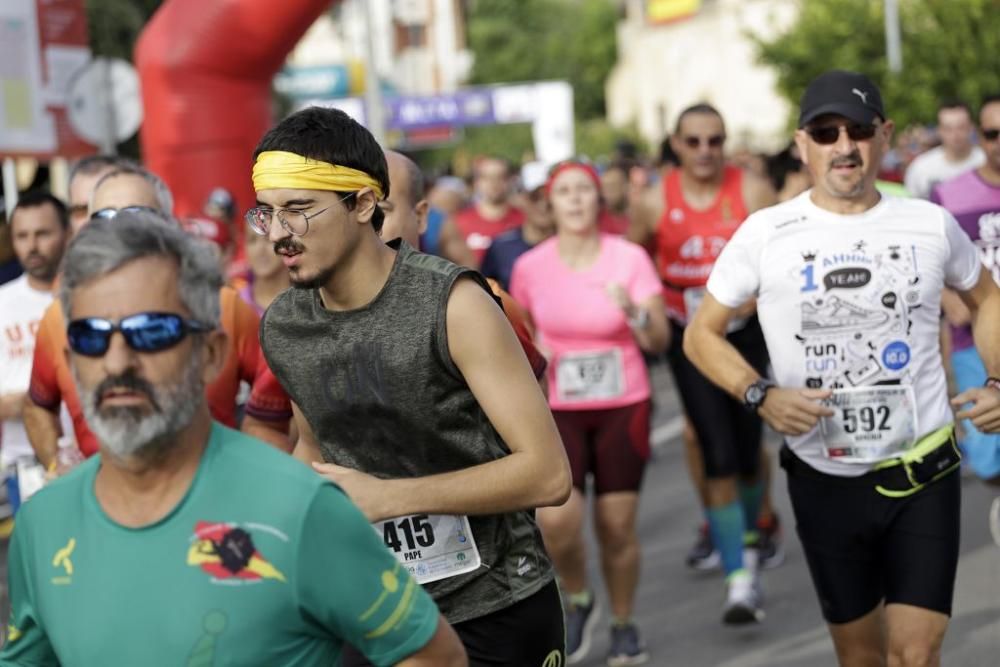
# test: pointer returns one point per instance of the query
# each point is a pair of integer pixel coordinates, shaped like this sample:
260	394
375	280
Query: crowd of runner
372	440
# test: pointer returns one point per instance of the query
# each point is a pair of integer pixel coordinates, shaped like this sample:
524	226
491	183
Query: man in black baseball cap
855	279
843	135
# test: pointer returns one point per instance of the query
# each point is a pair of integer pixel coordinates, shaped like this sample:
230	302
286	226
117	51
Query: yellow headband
281	169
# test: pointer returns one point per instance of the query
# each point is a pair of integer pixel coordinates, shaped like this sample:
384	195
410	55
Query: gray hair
93	164
103	246
164	199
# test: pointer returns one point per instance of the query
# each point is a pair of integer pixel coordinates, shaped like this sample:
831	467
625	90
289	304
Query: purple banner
468	107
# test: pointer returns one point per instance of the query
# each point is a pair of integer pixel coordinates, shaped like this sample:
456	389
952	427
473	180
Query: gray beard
127	432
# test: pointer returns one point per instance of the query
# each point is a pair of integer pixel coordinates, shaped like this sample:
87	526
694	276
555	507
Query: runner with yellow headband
411	392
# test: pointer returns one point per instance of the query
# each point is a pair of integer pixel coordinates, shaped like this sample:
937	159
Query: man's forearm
42	426
986	332
719	361
515	482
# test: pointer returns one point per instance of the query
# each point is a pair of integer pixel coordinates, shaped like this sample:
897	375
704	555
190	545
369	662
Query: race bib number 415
869	424
431	546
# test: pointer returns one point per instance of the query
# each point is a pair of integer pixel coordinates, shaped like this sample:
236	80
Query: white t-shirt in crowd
21	309
851	302
933	167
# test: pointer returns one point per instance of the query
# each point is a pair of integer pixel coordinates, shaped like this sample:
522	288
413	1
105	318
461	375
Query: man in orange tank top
689	216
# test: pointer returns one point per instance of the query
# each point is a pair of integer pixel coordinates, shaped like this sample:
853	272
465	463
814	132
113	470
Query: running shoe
703	555
627	647
744	600
580	622
836	315
770	547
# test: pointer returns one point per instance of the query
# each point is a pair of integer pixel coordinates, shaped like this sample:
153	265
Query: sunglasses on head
714	141
111	213
143	332
829	134
990	134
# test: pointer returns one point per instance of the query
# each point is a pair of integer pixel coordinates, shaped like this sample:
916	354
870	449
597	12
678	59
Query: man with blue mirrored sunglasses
237	534
132	189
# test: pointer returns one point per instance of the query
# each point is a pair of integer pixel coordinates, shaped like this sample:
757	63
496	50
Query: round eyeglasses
292	221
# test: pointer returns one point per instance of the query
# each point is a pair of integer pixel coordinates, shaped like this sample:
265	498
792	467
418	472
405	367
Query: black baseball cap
847	94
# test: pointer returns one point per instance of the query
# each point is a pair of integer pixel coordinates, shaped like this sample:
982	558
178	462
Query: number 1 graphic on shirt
808	273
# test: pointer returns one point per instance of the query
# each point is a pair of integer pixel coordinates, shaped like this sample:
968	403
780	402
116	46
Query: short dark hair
418	187
507	164
417	183
701	107
954	103
330	135
780	165
37	198
667	154
622	165
988	100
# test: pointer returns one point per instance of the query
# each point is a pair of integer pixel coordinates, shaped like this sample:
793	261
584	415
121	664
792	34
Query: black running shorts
528	633
729	435
863	547
611	444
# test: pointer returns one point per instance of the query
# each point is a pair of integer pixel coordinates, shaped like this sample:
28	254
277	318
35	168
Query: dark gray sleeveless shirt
380	390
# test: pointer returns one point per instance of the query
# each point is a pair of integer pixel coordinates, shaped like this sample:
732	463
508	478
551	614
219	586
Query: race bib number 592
869	424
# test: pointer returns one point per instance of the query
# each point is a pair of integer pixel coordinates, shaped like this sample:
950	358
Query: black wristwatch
754	396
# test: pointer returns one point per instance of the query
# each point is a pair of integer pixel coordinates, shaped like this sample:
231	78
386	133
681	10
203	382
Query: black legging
728	434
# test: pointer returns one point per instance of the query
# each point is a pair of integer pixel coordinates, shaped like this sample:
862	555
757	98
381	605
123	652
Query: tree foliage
532	40
536	40
951	49
115	25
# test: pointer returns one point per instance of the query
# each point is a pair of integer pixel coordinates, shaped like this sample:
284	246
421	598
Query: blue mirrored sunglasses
143	332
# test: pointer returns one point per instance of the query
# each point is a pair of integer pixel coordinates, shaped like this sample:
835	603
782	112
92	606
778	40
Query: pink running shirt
595	362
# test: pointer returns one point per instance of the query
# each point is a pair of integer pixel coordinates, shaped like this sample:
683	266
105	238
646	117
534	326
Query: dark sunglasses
829	134
714	141
111	213
991	134
143	332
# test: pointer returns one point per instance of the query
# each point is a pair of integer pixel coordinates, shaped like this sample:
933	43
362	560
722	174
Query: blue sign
467	107
314	81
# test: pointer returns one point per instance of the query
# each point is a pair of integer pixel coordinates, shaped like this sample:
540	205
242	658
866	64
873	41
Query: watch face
754	394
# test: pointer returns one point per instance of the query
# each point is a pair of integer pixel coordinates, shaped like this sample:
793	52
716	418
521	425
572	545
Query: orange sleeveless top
688	240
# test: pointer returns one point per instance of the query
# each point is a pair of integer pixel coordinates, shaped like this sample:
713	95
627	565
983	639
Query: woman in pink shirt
595	302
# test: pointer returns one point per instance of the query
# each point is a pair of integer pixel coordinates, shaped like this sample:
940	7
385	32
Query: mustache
288	244
128	381
851	160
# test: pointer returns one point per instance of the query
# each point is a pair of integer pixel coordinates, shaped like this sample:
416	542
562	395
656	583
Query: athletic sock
727	525
751	497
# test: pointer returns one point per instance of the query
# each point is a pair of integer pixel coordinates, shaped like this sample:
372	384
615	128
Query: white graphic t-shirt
21	309
852	303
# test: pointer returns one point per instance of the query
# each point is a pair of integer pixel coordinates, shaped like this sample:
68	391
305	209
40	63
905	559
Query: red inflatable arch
206	68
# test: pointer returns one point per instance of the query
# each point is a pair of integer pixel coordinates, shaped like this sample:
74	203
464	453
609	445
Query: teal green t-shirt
262	563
